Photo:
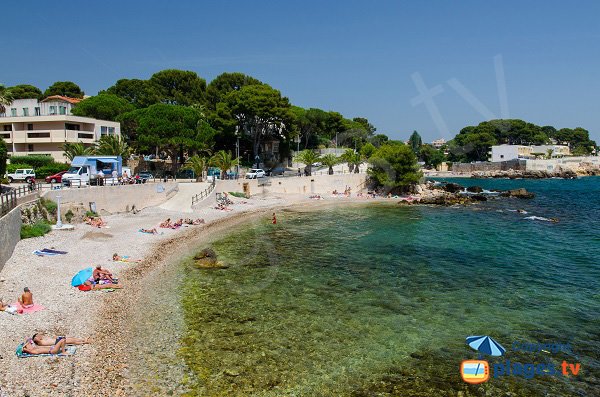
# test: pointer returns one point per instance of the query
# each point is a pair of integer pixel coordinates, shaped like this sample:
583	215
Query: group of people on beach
100	279
94	221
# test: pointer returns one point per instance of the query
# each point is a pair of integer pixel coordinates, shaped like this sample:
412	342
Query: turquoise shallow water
377	300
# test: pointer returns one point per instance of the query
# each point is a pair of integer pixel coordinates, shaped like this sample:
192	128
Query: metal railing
196	198
9	200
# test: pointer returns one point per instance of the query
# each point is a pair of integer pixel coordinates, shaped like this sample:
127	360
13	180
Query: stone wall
114	199
489	166
566	163
306	185
10	234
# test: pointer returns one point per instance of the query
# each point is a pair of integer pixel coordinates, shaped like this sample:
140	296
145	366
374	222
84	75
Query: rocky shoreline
519	174
447	194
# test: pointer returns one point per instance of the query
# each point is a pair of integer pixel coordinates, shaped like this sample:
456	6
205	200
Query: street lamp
237	152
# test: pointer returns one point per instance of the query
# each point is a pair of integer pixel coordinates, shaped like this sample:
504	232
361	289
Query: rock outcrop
207	259
518	193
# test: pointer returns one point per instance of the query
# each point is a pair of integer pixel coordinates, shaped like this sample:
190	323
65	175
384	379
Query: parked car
255	173
317	164
21	175
275	171
56	178
145	176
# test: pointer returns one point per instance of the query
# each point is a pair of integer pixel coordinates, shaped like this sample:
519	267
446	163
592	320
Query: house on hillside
42	127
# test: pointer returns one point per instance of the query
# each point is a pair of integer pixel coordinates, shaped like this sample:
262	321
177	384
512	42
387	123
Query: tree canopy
3	156
26	91
135	91
6	98
104	107
178	87
394	168
415	142
224	84
64	88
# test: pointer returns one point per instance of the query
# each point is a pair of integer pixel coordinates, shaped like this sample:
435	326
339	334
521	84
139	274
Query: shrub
91	214
32	161
69	216
36	230
238	194
50	205
3	156
50	169
12	167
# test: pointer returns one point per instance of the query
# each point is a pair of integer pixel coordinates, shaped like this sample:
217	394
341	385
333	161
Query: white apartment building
513	152
438	143
42	127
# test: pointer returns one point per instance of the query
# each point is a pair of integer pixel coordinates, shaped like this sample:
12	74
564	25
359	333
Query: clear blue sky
355	57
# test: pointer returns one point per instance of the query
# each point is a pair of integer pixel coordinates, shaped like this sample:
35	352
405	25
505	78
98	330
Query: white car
22	174
255	173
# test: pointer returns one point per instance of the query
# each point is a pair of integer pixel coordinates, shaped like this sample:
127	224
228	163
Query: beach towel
19	352
28	310
48	252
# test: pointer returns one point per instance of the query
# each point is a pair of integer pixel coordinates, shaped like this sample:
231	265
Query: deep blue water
377	300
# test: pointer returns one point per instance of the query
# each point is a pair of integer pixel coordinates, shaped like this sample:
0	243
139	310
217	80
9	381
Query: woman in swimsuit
57	348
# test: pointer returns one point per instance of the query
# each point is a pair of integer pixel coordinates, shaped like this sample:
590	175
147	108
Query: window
30	127
38	135
7	127
82	135
275	147
62	109
13	112
38	112
111	130
52	109
103	130
25	112
30	148
74	127
5	136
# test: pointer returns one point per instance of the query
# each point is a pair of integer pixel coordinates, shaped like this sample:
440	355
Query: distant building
438	143
513	152
42	127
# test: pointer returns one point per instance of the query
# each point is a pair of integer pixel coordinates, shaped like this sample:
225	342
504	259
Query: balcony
50	136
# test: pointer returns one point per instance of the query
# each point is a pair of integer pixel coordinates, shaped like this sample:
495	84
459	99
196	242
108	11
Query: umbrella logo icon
486	345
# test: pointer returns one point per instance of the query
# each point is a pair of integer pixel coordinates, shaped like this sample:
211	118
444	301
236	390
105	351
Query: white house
42	127
514	152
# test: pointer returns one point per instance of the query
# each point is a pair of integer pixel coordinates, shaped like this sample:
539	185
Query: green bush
36	230
69	215
91	214
238	194
50	205
3	155
11	168
51	169
35	161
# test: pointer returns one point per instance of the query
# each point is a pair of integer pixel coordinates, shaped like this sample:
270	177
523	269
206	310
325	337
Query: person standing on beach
26	300
274	221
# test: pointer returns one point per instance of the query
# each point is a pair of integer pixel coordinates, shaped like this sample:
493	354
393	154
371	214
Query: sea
378	299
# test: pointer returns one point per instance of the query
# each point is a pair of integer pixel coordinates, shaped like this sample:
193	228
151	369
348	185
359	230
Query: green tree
310	124
415	142
6	98
178	87
113	145
198	164
26	91
168	128
103	107
224	161
432	156
366	125
308	157
77	149
3	157
224	84
259	111
330	160
378	139
394	167
368	150
64	88
139	93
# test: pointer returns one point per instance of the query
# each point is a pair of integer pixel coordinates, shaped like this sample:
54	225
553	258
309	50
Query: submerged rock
474	189
518	193
207	259
453	188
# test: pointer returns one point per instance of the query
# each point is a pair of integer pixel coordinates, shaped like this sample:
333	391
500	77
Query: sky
430	66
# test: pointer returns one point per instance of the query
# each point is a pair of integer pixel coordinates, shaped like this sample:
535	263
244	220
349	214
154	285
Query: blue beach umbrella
486	345
81	277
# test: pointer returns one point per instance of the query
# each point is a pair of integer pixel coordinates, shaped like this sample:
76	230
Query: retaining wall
10	234
571	163
489	166
318	184
114	199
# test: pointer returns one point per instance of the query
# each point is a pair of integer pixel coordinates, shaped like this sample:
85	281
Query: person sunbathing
166	224
41	339
10	309
57	348
179	223
99	274
94	287
198	221
118	258
26	300
149	231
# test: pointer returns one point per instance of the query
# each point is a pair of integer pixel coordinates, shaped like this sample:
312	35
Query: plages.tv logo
479	371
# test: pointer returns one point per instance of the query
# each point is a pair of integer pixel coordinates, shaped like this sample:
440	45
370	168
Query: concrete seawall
318	184
115	199
10	234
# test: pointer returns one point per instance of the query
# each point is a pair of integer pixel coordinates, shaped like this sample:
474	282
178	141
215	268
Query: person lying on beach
222	207
100	274
57	348
41	339
26	300
95	222
178	224
149	231
118	258
10	309
166	224
94	287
